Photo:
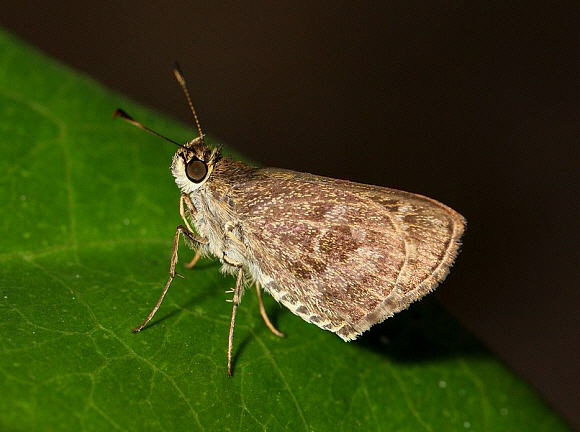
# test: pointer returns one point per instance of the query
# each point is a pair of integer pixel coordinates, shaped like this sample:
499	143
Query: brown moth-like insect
338	254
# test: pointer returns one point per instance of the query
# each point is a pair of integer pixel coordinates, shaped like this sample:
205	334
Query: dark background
474	104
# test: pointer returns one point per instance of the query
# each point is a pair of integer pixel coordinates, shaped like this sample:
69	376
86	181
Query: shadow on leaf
422	332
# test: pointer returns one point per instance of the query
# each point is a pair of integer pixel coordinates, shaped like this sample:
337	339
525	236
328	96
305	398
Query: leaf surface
89	210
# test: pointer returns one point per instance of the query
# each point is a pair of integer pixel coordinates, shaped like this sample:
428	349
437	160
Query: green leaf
89	210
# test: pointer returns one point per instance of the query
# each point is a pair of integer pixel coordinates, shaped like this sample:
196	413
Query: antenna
130	120
181	80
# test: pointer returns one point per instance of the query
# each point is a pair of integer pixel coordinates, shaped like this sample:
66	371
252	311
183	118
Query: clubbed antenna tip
122	114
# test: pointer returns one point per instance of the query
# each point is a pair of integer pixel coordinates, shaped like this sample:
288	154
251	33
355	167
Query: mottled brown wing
343	255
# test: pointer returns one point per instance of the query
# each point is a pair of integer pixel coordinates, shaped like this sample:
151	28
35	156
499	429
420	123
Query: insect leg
181	230
195	259
231	261
265	315
184	198
236	301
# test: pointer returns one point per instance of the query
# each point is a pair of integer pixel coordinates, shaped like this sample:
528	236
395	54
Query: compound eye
196	170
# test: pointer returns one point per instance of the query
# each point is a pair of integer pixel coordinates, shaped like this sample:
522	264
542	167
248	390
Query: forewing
343	255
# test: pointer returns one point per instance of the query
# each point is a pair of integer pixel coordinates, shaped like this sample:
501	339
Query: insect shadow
200	294
424	332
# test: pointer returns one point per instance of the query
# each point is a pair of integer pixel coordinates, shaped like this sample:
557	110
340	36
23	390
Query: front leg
185	202
181	230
